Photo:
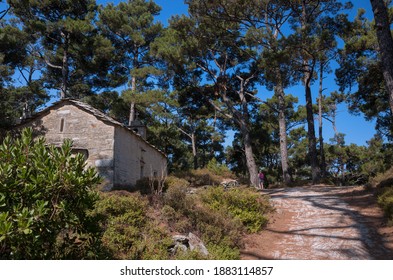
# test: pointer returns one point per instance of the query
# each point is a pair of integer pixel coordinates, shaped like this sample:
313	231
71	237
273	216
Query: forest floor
322	223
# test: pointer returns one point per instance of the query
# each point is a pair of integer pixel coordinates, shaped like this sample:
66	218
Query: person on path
261	177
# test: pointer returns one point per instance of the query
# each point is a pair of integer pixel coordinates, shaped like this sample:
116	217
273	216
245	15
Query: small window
61	125
142	172
83	152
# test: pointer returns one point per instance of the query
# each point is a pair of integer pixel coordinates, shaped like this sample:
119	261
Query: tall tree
191	114
328	29
360	74
13	54
132	29
261	23
195	119
385	41
268	124
306	15
264	22
214	51
66	42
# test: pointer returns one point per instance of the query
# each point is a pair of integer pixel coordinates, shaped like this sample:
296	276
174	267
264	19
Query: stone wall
135	159
120	156
67	121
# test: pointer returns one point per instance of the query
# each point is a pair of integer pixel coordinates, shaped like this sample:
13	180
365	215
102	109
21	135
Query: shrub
243	204
385	200
173	181
45	193
128	233
217	228
176	197
218	169
201	177
383	183
175	219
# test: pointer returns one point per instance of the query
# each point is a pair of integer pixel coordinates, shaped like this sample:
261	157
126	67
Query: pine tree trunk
385	42
132	105
64	68
334	121
250	160
279	91
312	143
194	150
308	70
320	102
243	119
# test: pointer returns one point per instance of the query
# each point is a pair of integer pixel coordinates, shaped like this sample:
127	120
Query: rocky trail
338	223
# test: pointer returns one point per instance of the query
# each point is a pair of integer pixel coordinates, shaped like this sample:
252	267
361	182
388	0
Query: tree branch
4	13
221	111
49	63
264	102
184	132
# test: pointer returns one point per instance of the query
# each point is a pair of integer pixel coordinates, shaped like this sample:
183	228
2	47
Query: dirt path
322	223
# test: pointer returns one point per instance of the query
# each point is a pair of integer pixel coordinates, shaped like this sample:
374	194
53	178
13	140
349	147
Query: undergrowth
212	175
128	232
218	217
384	185
243	204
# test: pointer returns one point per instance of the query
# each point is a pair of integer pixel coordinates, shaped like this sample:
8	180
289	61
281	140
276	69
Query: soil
322	223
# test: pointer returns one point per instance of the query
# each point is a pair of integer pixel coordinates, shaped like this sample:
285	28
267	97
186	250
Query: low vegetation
384	186
135	228
49	209
45	194
127	230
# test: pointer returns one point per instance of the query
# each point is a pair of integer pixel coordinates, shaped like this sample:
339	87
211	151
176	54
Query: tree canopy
226	67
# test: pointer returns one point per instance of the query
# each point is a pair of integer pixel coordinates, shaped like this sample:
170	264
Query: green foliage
243	204
12	50
219	218
128	232
360	73
187	214
176	197
173	182
355	165
204	176
218	169
74	57
131	28
45	193
383	182
385	200
111	103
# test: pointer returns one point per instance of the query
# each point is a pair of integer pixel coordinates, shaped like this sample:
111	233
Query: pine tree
306	14
132	29
214	52
360	74
385	41
66	41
